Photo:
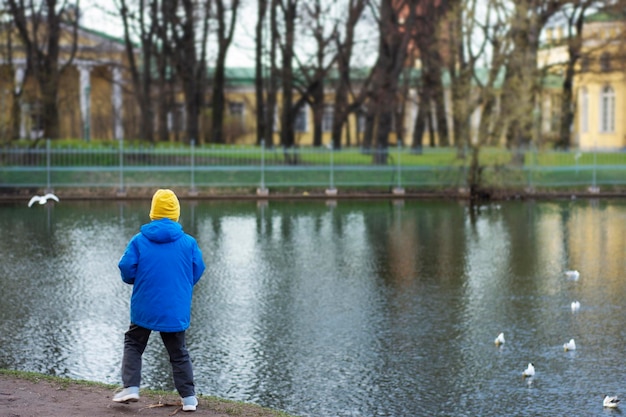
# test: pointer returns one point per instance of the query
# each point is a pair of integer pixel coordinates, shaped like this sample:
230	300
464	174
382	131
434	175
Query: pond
346	308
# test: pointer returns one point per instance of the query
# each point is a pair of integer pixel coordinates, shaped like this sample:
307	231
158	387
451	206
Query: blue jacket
163	263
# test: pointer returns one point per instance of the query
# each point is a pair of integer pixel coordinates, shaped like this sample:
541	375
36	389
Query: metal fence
122	168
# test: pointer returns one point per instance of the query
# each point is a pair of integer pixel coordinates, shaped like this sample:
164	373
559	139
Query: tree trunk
141	75
344	58
16	117
218	102
567	111
42	52
418	129
272	88
318	113
440	107
391	60
49	109
575	25
225	33
287	131
259	76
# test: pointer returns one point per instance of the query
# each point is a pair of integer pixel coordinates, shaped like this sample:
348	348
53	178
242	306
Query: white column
118	127
20	72
85	97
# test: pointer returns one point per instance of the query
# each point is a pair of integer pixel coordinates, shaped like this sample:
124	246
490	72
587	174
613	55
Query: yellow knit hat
165	205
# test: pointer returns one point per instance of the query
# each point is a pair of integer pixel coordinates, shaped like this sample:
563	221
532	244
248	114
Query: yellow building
93	100
599	83
240	124
96	101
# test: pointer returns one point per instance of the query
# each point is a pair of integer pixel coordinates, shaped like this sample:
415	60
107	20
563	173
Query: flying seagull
575	305
42	199
610	401
530	371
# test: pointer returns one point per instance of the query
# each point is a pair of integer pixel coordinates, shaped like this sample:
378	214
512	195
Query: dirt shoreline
33	395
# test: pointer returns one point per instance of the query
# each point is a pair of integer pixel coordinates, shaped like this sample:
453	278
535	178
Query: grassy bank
216	404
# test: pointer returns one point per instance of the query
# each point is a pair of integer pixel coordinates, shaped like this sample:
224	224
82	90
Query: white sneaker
128	394
190	403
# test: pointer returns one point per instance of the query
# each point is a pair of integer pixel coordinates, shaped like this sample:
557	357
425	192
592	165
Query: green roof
103	35
244	76
606	15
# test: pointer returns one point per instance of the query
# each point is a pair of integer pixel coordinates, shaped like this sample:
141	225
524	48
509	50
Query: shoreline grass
235	408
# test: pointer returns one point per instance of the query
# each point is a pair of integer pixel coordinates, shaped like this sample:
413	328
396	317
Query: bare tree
11	130
494	30
395	33
575	15
343	87
226	20
314	72
427	37
189	21
40	26
260	71
144	20
288	112
492	33
522	78
461	67
165	81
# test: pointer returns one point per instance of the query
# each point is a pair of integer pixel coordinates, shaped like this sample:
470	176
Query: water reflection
346	309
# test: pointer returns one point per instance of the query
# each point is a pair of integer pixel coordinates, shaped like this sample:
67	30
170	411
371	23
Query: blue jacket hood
162	230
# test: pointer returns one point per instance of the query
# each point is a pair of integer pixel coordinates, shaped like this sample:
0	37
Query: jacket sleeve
128	263
198	263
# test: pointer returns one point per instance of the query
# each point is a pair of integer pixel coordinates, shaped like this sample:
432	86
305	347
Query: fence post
121	192
530	189
594	189
262	191
192	191
332	190
48	150
398	190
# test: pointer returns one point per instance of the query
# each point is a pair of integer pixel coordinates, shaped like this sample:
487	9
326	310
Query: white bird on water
530	371
42	199
499	340
572	274
575	305
610	401
571	345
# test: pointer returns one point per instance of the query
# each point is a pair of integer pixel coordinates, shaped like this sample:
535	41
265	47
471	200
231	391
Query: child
163	263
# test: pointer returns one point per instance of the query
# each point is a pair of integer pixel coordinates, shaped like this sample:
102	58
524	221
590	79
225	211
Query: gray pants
135	341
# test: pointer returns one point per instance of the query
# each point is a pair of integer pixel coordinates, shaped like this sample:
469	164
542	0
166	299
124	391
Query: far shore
82	194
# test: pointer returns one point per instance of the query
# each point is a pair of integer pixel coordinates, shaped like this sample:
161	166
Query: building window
236	109
555	113
361	120
176	118
584	110
301	123
607	110
327	118
36	121
584	64
605	62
